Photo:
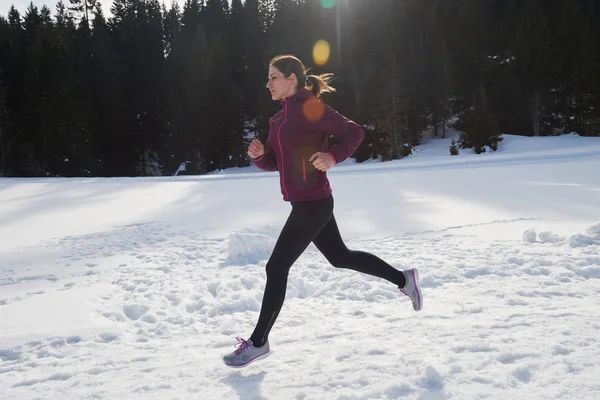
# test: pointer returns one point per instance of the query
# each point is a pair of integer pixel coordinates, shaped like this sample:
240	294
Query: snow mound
594	230
251	245
550	237
592	237
529	236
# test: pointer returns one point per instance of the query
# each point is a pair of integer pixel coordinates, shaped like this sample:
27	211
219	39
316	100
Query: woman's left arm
349	133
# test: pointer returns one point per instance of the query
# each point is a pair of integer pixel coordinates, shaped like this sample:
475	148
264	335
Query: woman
297	148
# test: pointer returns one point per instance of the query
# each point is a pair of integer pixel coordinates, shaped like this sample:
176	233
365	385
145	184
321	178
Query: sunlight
321	51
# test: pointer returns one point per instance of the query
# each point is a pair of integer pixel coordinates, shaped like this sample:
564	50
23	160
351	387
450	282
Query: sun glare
321	51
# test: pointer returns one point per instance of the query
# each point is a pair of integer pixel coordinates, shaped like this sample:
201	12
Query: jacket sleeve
266	162
349	133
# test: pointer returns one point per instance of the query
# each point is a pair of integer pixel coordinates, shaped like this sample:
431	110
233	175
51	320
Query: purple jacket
296	132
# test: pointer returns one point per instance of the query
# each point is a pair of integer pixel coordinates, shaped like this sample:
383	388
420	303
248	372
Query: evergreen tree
108	108
223	146
188	73
573	53
137	31
438	83
83	9
468	40
254	93
390	112
531	61
481	127
171	25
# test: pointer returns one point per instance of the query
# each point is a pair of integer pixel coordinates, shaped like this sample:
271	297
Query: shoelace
412	298
242	345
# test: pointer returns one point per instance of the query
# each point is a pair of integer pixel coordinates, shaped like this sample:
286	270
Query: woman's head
287	75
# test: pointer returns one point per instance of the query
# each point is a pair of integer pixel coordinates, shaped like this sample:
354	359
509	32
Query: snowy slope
133	288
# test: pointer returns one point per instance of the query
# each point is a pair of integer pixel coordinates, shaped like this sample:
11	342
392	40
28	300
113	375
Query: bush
453	148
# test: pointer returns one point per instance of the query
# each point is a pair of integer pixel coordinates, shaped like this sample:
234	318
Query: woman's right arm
266	162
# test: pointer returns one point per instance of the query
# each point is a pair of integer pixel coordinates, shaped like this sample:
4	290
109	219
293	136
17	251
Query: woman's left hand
322	161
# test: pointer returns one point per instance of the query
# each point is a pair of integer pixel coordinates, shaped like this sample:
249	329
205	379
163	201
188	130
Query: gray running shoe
412	289
246	354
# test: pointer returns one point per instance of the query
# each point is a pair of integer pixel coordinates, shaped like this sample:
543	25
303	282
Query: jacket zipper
281	150
304	169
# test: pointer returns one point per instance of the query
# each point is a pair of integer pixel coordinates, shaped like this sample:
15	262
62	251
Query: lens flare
328	3
313	110
321	52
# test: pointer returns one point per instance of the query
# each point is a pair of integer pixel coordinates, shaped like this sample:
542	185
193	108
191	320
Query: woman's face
280	86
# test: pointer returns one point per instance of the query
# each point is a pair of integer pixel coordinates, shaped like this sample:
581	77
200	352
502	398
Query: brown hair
289	64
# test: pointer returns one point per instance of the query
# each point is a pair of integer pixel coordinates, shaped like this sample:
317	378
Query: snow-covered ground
134	288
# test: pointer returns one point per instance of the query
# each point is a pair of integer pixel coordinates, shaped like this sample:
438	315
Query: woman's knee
341	260
275	269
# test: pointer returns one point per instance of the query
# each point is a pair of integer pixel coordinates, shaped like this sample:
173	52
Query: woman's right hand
256	149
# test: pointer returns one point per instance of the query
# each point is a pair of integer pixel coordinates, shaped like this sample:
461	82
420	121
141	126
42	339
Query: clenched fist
256	149
322	161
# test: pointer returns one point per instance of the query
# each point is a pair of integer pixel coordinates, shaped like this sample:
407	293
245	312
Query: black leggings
311	221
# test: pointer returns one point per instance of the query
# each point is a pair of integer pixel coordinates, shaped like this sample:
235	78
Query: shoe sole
262	356
415	275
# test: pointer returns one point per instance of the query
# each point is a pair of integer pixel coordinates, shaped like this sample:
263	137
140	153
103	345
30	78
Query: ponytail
319	84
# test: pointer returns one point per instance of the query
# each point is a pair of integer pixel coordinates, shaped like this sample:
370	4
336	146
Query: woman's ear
293	77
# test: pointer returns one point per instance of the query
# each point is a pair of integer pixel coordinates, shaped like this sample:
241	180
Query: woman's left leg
330	243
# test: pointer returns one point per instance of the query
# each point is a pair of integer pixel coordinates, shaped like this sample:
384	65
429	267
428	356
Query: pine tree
414	61
481	127
137	29
83	9
467	41
388	88
531	61
235	41
266	11
255	68
107	103
188	73
573	52
171	25
390	112
437	79
281	35
214	19
223	143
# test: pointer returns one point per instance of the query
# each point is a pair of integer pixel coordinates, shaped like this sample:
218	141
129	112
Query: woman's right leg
304	223
302	226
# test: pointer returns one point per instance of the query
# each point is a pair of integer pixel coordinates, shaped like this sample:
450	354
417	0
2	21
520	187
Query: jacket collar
300	96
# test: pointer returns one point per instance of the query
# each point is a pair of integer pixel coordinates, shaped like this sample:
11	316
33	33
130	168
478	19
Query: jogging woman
297	147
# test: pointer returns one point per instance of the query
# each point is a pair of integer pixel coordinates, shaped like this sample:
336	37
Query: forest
141	88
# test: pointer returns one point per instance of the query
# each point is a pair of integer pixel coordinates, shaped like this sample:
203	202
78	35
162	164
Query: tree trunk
536	111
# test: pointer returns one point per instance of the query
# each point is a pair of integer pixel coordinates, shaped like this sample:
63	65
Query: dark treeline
150	85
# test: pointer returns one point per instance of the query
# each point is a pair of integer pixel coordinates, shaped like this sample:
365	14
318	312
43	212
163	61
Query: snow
529	236
135	287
